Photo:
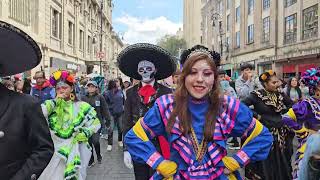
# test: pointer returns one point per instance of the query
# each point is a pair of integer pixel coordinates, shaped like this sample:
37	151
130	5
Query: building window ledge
55	38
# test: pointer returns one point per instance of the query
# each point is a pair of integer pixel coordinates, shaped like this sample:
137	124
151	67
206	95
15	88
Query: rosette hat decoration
186	54
130	57
311	78
62	76
264	76
18	51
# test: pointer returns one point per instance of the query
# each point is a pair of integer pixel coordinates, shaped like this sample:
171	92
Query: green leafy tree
173	44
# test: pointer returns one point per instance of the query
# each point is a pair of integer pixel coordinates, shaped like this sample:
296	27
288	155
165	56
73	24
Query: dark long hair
112	85
181	104
296	88
26	86
121	83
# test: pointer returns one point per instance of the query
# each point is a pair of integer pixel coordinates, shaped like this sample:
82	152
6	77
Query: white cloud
147	30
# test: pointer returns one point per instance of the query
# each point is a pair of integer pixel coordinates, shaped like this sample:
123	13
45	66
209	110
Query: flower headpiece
186	54
311	78
266	75
63	76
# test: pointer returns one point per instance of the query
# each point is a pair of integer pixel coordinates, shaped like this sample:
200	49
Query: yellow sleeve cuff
302	130
291	114
230	163
139	131
167	168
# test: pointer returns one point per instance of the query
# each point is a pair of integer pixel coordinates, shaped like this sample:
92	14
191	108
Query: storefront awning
289	69
304	67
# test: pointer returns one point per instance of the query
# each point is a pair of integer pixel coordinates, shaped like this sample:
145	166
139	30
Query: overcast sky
146	20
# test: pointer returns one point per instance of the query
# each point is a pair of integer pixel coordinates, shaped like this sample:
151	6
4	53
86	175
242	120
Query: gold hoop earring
72	97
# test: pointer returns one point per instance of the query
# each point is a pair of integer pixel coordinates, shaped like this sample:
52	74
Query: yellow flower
270	72
264	77
57	75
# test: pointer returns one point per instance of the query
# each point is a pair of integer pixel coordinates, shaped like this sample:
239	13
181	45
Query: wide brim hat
130	57
18	51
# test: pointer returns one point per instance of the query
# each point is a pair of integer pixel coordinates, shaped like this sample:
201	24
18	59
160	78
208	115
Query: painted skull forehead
145	64
147	70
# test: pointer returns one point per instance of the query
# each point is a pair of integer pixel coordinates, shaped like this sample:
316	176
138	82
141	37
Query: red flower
71	79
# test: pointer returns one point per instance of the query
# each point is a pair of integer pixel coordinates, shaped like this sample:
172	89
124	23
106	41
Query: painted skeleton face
147	71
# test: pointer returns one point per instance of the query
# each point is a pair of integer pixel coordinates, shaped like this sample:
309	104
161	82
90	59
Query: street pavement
112	166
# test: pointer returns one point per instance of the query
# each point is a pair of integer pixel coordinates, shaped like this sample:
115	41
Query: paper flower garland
311	78
61	76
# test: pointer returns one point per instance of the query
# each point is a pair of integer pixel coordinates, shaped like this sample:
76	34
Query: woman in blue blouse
197	123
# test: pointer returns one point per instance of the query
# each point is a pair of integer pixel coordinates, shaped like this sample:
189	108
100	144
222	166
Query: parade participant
126	84
43	89
96	100
18	85
71	123
115	99
197	121
269	105
226	89
175	78
293	90
245	83
304	90
148	63
25	143
304	119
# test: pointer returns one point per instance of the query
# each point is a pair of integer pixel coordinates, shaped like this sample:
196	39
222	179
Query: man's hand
127	159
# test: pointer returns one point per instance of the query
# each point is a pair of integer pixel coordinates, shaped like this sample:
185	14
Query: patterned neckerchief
273	99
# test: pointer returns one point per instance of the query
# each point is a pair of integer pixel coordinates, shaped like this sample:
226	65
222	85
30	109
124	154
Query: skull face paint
147	71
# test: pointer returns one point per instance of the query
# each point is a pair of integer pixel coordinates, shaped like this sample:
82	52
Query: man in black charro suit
148	63
26	146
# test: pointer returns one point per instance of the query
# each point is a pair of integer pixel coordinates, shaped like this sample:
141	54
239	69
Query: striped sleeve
294	119
257	138
138	138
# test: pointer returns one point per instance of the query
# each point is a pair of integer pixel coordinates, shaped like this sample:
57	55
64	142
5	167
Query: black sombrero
130	57
18	51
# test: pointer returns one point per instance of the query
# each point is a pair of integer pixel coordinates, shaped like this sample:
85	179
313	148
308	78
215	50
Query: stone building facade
192	22
67	31
271	34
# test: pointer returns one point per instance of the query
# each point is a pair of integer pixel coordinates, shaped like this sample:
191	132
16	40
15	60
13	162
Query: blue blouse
234	120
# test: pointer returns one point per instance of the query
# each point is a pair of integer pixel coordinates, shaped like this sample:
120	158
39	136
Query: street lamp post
215	17
101	35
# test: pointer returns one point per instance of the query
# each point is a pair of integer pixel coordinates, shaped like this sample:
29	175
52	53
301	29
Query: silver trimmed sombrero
18	51
130	57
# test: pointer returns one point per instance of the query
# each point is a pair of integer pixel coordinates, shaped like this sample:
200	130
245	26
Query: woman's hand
226	171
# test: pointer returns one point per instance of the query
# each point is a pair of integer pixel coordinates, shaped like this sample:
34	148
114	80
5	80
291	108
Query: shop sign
72	67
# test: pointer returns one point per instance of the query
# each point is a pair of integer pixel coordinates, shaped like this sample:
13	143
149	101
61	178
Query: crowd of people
54	126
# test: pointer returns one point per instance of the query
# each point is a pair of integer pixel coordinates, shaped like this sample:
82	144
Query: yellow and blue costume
234	120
